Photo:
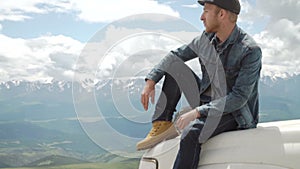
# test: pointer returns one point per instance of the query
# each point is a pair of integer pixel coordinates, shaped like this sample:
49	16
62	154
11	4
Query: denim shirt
240	58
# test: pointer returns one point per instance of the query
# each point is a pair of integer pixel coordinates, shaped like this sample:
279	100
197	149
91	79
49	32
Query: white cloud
51	57
22	10
89	10
195	5
247	11
107	11
280	9
54	57
124	52
39	59
280	44
281	37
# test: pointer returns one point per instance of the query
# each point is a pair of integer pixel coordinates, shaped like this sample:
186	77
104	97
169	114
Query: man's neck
225	32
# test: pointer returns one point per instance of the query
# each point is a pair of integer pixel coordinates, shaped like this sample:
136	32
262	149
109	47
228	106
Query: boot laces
155	129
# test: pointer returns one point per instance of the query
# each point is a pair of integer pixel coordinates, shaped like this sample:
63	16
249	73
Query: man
237	108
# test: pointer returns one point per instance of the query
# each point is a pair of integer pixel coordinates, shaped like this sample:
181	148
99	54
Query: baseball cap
230	5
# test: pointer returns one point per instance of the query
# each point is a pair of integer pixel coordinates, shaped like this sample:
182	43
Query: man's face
210	18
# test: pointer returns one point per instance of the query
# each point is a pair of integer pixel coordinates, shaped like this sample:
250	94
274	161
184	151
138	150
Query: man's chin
209	31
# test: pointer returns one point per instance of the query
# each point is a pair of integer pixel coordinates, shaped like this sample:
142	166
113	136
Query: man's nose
202	17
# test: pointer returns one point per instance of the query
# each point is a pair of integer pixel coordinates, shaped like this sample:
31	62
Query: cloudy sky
42	40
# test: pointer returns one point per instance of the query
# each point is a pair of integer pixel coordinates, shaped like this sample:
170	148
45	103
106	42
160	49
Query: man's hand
186	118
148	92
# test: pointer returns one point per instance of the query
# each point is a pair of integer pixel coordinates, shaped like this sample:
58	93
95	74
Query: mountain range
39	120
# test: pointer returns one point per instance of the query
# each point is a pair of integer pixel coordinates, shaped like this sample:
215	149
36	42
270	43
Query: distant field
118	165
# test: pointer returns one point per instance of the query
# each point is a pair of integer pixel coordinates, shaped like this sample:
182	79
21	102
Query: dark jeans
190	144
189	84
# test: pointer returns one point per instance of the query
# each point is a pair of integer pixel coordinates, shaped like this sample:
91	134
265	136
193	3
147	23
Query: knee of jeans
192	132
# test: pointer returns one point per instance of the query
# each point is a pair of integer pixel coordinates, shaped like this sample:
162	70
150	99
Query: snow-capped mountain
20	96
47	109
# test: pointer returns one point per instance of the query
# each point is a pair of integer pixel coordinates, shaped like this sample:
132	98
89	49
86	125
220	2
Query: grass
117	165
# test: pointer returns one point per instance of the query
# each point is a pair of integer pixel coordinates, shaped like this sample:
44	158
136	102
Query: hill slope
3	165
55	160
116	165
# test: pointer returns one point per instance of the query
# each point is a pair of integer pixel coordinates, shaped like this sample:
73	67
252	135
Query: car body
272	145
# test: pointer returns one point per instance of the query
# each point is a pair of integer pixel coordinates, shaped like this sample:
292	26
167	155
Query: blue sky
69	23
41	40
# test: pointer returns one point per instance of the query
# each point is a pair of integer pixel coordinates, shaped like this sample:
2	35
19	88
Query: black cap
230	5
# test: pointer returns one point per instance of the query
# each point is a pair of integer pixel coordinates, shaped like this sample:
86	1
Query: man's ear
222	13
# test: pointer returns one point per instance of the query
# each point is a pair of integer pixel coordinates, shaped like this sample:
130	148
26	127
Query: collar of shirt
220	47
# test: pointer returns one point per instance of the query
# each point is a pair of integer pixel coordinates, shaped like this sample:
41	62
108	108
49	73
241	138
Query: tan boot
161	130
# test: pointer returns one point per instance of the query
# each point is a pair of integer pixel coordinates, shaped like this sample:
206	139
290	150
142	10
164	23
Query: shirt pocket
231	74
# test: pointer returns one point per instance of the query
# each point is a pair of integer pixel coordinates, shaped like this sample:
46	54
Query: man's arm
183	53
